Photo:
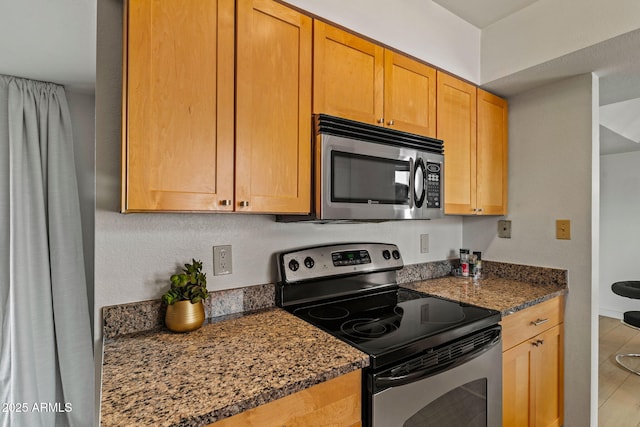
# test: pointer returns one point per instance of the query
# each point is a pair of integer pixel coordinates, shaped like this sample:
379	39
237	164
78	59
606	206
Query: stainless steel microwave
364	172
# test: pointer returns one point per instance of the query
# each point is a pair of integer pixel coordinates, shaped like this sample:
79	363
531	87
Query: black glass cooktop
397	323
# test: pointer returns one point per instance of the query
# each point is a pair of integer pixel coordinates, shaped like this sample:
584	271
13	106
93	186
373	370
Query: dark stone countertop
162	378
504	295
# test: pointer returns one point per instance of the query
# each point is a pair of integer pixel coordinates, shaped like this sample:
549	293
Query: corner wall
550	177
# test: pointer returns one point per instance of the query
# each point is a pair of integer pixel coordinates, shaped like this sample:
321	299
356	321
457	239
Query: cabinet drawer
531	321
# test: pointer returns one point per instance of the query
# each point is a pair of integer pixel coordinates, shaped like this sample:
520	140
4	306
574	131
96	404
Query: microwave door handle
412	184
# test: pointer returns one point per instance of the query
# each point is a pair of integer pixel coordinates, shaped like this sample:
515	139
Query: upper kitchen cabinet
456	124
359	80
492	154
196	136
273	108
409	95
473	125
177	151
347	79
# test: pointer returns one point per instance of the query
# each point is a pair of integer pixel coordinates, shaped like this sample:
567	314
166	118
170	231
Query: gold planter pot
183	316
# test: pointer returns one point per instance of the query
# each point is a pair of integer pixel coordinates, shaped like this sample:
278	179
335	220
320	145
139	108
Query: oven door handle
395	381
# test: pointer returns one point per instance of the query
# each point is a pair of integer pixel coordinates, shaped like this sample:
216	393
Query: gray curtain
46	367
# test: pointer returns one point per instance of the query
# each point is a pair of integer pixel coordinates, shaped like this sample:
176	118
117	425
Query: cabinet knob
535	343
381	120
225	202
244	203
480	209
390	122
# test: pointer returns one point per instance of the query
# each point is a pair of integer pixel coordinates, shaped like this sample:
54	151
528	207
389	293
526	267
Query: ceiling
67	56
483	13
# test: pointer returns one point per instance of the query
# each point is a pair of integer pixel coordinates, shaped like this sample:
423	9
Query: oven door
467	393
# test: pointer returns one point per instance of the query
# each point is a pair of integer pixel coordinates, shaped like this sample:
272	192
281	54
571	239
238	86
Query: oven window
464	406
357	178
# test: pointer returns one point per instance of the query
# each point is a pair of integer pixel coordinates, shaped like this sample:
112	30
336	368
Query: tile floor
619	389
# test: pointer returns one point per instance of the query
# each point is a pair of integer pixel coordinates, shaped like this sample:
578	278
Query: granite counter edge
269	396
535	301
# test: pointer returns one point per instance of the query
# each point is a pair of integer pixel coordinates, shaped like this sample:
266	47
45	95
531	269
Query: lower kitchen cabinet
336	402
533	374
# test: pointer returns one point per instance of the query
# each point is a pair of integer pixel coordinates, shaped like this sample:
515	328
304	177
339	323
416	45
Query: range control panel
336	260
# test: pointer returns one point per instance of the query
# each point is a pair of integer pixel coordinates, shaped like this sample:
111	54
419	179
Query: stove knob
294	265
396	254
386	254
308	262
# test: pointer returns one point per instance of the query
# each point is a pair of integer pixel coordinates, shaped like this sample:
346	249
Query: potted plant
185	308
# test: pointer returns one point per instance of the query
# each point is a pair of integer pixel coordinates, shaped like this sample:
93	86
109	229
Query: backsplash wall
136	253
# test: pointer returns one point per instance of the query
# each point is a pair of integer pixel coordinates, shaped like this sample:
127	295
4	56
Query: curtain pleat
46	356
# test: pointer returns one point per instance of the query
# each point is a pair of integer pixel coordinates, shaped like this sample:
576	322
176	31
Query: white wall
549	29
550	155
619	228
136	253
420	28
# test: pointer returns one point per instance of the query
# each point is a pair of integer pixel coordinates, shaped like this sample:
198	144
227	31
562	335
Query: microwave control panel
433	181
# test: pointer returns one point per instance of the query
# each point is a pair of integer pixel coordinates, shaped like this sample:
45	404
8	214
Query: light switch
563	229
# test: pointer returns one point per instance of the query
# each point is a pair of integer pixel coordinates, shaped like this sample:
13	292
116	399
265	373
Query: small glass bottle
464	262
472	264
477	270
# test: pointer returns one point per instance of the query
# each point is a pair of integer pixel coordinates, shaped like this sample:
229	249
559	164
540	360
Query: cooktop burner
383	323
367	328
328	313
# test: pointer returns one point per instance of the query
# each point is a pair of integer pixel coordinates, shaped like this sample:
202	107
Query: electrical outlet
424	243
504	228
563	229
222	263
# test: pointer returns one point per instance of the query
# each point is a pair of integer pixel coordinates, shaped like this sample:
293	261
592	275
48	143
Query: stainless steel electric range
433	361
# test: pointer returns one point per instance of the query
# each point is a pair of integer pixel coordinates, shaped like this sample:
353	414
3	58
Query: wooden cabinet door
273	108
516	385
548	378
492	152
533	381
456	126
409	95
178	105
348	75
336	402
